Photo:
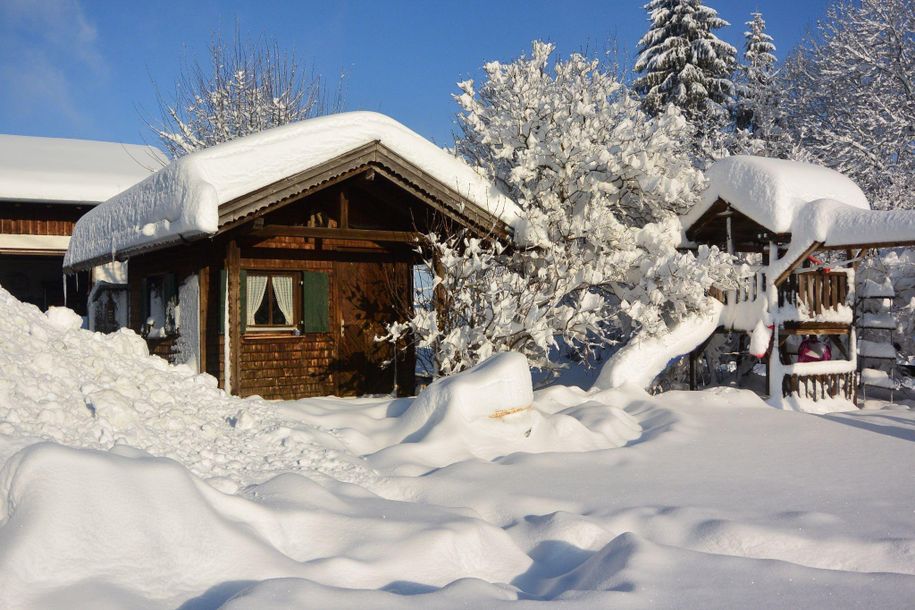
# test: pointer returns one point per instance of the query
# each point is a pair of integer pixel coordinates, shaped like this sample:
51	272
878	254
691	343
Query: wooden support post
203	298
440	295
233	321
344	210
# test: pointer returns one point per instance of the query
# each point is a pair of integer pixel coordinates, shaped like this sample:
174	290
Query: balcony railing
815	292
822	387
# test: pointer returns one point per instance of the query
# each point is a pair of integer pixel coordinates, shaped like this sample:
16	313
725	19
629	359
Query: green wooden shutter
243	300
315	293
221	306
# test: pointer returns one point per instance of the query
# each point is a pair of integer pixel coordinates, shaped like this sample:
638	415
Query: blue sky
86	69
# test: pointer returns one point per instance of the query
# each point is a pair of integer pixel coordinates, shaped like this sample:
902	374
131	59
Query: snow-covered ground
125	482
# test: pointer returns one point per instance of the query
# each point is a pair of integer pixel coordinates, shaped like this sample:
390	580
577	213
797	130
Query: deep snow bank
487	412
85	528
84	389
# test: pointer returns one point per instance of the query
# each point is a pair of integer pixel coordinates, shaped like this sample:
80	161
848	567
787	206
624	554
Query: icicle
64	278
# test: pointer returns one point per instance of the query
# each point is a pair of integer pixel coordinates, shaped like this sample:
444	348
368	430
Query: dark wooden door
365	305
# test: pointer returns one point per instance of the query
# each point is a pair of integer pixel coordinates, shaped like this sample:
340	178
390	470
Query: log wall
39	219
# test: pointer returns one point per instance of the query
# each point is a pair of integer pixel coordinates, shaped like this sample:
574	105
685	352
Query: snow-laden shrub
600	183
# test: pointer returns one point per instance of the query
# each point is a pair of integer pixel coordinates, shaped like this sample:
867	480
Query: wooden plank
784	275
335	233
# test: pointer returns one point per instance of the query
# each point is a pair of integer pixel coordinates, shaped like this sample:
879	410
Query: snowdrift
83	389
488	412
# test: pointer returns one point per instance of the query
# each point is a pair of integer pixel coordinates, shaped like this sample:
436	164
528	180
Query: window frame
269	296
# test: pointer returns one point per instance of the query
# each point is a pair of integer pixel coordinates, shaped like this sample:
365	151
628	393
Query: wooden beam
233	321
784	276
335	233
344	210
815	328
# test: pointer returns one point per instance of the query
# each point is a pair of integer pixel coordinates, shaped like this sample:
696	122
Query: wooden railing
748	289
818	291
821	387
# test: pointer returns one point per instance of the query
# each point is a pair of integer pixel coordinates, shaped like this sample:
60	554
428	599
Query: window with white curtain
272	300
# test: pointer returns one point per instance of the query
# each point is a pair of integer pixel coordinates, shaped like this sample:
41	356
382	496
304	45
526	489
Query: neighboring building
275	260
46	185
779	215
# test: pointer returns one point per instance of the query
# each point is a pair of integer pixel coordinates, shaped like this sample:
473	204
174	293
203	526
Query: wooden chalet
283	295
787	240
46	185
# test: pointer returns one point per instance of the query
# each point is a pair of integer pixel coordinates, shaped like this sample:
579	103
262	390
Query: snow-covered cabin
273	261
781	214
46	185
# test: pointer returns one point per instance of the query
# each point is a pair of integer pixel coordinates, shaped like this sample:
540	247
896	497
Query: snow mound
83	389
182	200
488	412
77	522
773	191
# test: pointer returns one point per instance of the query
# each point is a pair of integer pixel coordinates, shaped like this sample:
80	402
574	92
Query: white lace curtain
282	290
257	287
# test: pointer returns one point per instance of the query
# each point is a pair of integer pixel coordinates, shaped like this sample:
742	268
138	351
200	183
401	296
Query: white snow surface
71	171
182	200
773	191
702	499
643	358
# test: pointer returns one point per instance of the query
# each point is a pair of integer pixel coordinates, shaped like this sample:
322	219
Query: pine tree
756	75
681	61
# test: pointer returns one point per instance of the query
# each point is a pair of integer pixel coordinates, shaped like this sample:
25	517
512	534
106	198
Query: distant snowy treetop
182	200
60	170
773	191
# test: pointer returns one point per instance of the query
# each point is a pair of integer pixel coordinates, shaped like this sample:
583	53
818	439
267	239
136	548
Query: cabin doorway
364	308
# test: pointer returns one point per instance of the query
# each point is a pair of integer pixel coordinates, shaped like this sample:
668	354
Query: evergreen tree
681	61
757	74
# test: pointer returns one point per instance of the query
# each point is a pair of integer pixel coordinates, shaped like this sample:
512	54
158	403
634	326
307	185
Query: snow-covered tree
756	75
589	169
681	61
759	119
852	101
245	88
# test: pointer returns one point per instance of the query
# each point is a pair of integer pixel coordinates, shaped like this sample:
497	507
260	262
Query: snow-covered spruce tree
756	75
245	88
759	121
852	101
681	61
589	170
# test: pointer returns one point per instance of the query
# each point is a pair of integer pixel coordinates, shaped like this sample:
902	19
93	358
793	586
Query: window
273	300
160	306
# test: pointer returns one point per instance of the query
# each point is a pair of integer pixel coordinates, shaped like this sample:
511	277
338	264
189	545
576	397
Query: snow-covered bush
589	169
246	88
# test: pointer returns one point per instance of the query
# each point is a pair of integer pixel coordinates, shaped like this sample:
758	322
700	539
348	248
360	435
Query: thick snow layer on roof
773	191
71	171
183	199
835	225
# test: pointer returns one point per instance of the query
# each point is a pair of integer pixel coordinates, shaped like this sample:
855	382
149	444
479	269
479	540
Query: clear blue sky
85	69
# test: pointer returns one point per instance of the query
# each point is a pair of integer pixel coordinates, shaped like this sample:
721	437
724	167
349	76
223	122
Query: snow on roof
773	191
182	200
71	171
835	225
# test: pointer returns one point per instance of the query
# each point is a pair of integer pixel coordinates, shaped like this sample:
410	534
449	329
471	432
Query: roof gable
206	191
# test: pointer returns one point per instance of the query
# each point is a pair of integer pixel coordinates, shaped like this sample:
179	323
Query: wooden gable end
371	162
748	235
